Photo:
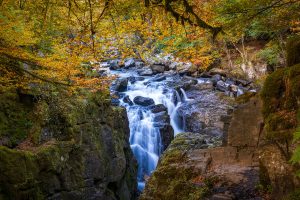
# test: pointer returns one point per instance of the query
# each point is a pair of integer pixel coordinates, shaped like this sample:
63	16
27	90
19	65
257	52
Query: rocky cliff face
74	149
190	170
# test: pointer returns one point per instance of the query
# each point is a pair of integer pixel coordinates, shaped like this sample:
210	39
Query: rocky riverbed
165	99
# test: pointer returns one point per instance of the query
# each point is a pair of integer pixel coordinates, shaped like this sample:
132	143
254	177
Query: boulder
129	62
158	108
205	75
146	71
219	71
216	78
139	63
166	134
115	101
203	86
234	88
133	79
230	81
120	85
143	101
184	68
221	86
127	100
162	117
114	64
103	71
173	65
158	68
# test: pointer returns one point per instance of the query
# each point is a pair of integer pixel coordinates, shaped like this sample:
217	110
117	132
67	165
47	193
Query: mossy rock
280	96
15	119
244	98
173	180
293	50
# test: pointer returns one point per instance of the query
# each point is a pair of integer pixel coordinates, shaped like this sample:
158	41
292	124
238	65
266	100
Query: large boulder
158	108
158	68
120	85
127	100
185	68
146	71
143	101
222	86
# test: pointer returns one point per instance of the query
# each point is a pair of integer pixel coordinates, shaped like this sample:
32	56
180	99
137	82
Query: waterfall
145	139
185	98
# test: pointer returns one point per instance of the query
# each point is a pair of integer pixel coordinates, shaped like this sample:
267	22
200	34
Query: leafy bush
270	55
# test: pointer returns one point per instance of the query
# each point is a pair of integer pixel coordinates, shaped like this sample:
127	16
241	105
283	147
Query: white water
145	138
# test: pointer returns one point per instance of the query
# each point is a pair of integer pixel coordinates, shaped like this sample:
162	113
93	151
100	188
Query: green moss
264	178
293	51
15	119
173	180
293	196
245	97
19	180
279	95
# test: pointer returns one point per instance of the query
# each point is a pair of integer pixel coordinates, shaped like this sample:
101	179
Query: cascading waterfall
145	138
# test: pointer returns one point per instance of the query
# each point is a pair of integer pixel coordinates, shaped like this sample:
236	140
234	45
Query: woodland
51	86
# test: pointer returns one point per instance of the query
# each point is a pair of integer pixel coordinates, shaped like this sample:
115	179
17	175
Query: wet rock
127	100
115	102
129	62
114	64
216	78
158	78
103	71
120	85
158	108
158	68
139	64
162	117
133	79
143	101
193	125
146	71
240	92
166	134
230	81
221	86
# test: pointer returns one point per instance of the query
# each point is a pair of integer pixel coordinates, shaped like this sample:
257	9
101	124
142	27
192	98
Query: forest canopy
50	40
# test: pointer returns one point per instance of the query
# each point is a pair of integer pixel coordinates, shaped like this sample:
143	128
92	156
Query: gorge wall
74	148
